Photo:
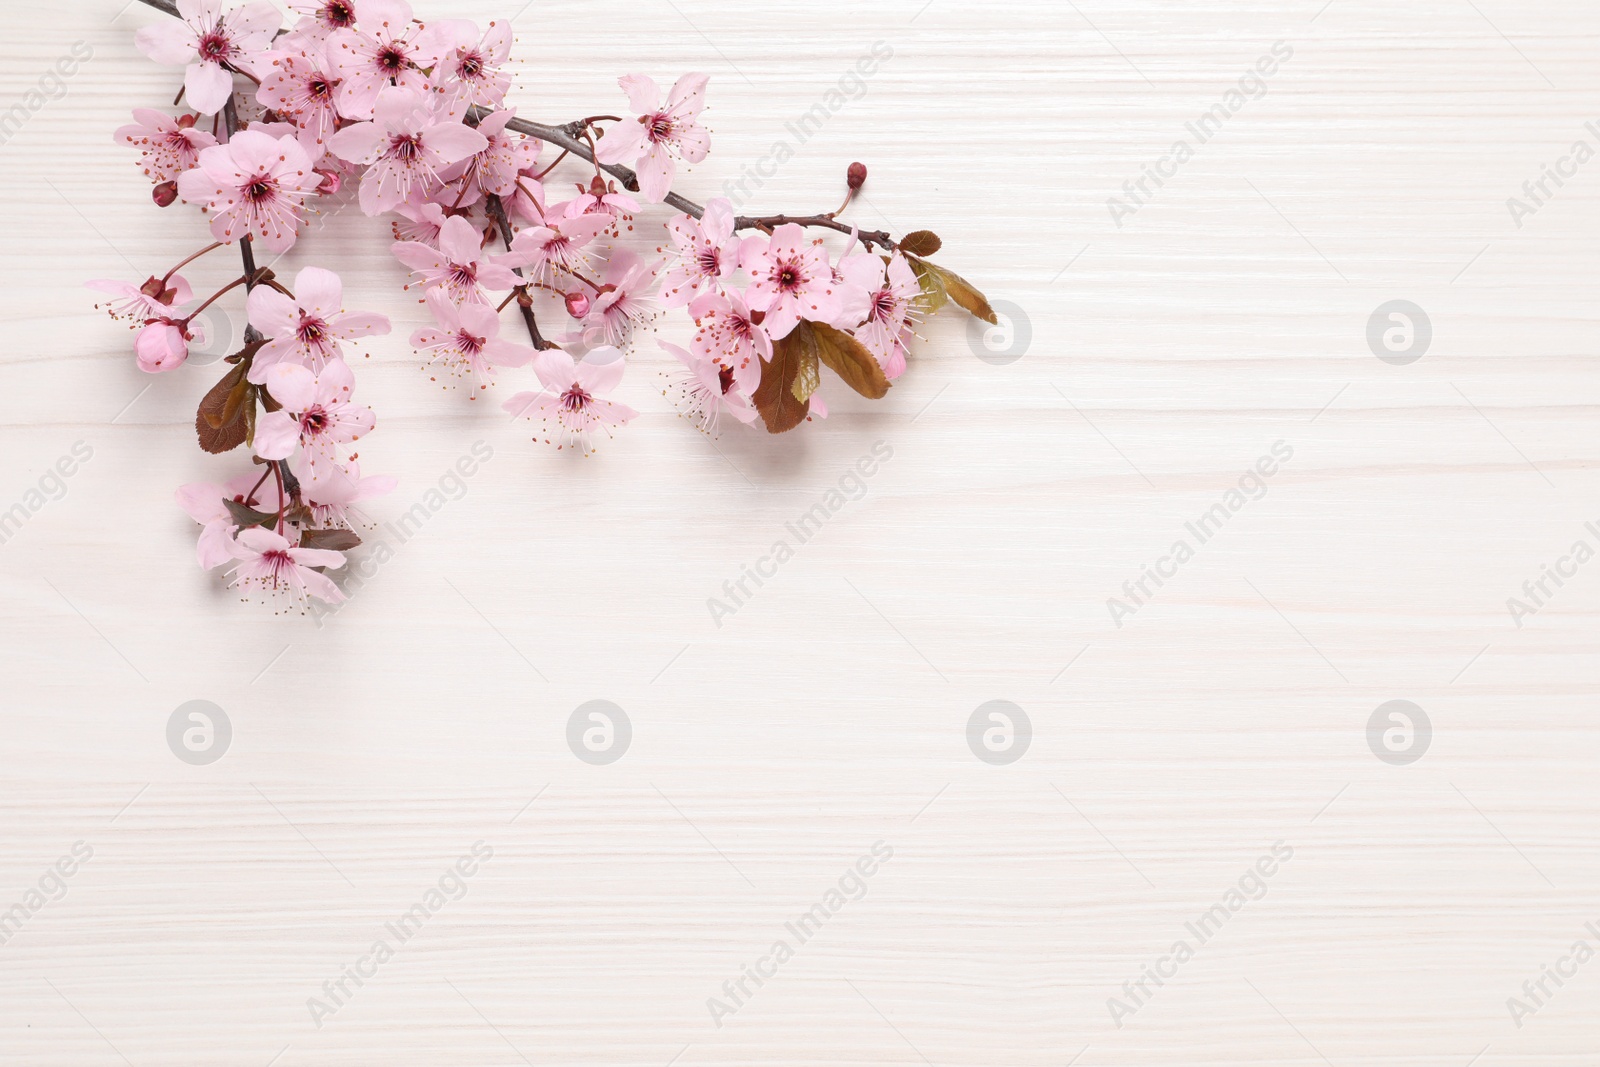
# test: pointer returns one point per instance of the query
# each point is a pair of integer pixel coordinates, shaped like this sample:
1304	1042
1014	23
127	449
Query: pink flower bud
577	304
164	194
856	176
161	345
330	181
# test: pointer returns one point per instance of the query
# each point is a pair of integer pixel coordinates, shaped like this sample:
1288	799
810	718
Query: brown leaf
246	516
940	286
775	397
339	540
218	433
849	359
921	243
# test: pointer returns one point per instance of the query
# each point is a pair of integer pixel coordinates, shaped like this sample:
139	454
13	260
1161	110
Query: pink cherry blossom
308	327
729	336
321	18
213	44
877	306
403	146
469	71
387	50
254	184
623	302
332	492
205	504
792	280
660	133
458	266
709	391
467	340
138	303
301	86
163	344
557	246
269	565
316	414
572	404
421	220
167	146
496	168
707	253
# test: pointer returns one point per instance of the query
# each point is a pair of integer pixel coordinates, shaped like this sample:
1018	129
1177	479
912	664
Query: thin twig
497	212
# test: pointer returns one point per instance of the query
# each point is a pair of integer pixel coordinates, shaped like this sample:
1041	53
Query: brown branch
497	212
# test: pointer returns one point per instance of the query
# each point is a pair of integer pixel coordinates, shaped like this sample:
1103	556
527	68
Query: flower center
471	65
463	274
260	189
576	399
392	59
319	87
883	304
789	277
469	344
338	14
214	47
405	147
314	422
659	127
312	332
710	260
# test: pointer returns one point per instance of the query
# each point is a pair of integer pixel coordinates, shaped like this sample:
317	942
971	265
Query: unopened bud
577	304
330	182
186	121
164	194
856	176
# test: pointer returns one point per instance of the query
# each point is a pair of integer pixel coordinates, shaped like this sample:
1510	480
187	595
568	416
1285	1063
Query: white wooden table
1168	355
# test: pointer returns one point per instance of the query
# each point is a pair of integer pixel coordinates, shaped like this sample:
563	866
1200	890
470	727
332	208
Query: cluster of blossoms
412	116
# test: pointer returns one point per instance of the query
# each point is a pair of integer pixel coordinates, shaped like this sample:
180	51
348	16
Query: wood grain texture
1167	355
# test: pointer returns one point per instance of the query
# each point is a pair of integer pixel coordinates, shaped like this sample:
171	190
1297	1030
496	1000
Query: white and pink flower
212	43
256	185
707	253
709	391
572	406
308	327
167	146
458	267
269	565
791	280
316	414
388	50
467	340
661	134
404	146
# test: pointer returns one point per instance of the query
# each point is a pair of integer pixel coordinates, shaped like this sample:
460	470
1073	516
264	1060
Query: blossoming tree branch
271	120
